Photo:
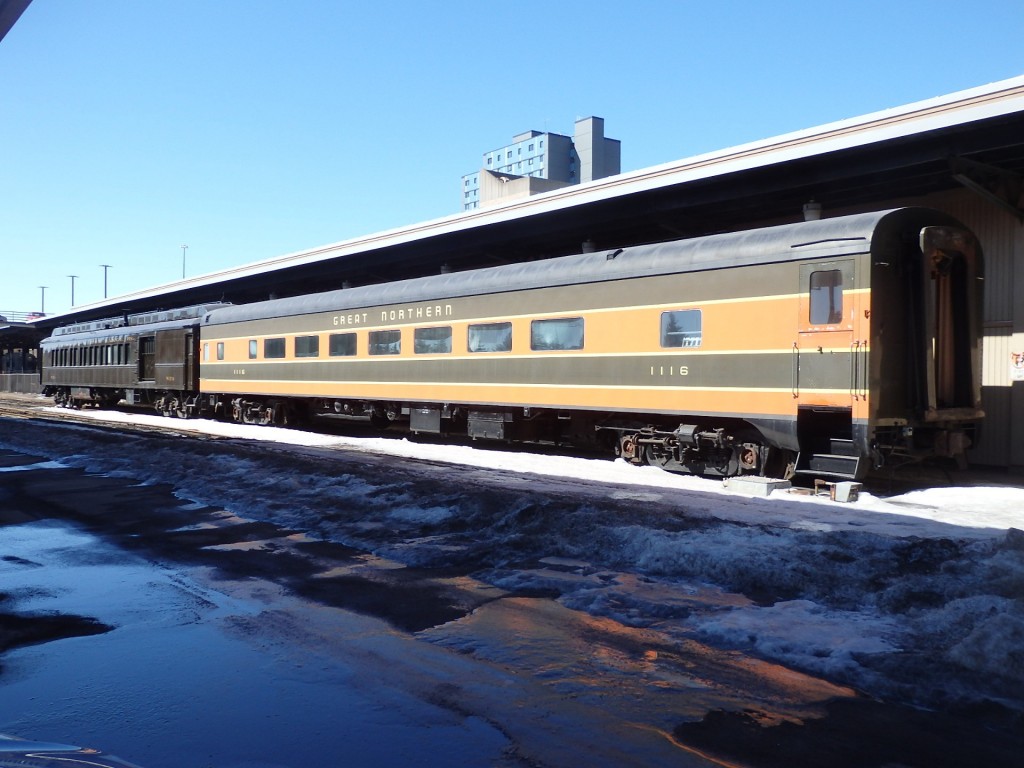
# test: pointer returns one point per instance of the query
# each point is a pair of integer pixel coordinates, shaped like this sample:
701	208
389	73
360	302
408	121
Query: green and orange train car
827	347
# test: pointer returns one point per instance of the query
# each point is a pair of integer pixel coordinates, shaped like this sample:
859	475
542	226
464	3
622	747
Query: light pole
73	277
105	268
42	299
183	249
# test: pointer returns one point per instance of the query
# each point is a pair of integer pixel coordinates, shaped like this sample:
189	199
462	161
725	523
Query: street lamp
42	299
183	248
105	268
73	277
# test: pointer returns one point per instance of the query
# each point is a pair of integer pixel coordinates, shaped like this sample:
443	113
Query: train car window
307	346
432	341
341	344
490	337
385	342
826	294
558	333
681	328
206	352
253	348
273	348
220	350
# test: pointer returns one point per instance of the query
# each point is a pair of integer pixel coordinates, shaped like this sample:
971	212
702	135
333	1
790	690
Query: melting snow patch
804	632
37	465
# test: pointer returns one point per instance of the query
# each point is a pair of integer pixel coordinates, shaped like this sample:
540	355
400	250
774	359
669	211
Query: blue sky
250	129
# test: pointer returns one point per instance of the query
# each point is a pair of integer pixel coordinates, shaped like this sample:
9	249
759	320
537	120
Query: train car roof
845	235
122	327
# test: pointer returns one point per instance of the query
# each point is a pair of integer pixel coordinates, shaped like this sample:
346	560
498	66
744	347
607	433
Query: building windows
681	328
490	337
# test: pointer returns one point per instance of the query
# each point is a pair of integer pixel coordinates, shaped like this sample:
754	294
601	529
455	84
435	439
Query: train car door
147	358
829	371
172	358
190	358
825	351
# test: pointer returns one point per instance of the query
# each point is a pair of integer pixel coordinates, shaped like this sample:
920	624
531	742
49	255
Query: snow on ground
990	510
918	596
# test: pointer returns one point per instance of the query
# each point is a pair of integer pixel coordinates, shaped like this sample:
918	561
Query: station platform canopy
971	139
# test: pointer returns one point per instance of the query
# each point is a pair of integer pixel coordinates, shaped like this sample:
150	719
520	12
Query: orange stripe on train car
752	401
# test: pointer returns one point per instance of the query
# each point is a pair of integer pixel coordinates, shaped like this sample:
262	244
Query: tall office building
538	162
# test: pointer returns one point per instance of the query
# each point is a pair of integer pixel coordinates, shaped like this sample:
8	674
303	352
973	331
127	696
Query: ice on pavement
924	588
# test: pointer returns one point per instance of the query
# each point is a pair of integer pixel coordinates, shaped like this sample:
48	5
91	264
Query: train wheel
652	458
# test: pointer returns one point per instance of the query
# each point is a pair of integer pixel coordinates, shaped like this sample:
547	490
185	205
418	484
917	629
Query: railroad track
23	406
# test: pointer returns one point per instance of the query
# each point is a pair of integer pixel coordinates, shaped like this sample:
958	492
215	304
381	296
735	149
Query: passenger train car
824	347
146	359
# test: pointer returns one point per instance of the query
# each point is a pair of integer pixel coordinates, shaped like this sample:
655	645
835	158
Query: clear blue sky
248	129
